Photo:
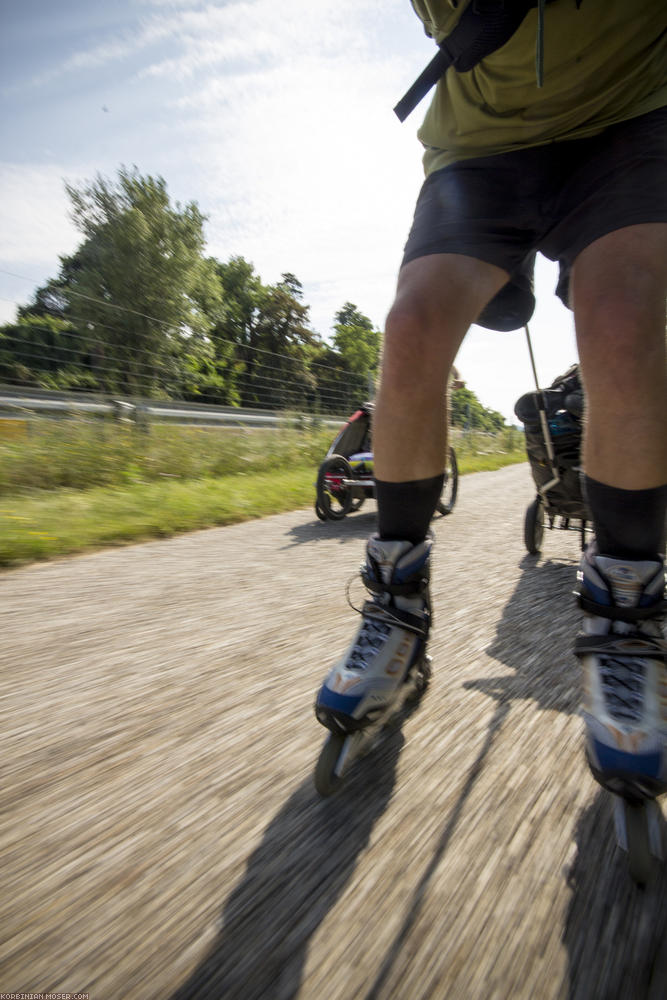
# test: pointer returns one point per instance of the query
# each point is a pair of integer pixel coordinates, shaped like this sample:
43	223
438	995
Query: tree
139	282
467	411
47	351
356	341
282	374
263	337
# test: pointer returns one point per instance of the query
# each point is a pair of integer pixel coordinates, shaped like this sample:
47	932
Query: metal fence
16	404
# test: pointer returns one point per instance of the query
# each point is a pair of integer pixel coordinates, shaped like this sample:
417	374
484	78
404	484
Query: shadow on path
359	525
615	933
419	893
308	853
354	526
535	637
520	643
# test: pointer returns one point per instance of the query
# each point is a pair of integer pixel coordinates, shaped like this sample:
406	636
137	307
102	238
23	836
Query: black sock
405	509
628	524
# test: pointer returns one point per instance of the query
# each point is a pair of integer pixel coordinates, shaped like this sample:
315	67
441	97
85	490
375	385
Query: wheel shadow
308	853
352	527
615	933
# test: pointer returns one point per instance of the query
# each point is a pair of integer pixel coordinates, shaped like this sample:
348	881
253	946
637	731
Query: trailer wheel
533	531
451	485
334	496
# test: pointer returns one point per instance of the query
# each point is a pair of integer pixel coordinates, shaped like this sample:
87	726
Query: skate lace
623	677
622	681
374	630
370	639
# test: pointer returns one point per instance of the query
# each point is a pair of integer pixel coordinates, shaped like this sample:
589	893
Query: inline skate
385	666
622	650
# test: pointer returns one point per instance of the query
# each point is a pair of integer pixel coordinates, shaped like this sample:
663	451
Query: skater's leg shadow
420	891
615	933
519	643
535	637
293	879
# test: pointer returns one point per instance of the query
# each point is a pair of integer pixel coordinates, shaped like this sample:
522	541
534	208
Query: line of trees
139	310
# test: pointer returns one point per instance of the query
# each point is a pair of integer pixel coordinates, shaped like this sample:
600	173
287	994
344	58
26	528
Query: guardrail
13	404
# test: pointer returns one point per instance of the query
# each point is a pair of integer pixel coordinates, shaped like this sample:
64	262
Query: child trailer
552	419
345	477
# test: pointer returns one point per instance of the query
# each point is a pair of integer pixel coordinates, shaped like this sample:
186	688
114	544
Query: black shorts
556	199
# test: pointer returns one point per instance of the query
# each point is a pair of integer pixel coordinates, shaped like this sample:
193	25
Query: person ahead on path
568	160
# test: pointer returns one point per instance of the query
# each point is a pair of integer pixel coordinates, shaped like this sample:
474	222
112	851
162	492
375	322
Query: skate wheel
326	778
450	485
425	672
640	859
422	679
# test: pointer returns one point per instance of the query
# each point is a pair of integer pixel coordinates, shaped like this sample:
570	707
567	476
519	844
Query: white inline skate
625	695
385	665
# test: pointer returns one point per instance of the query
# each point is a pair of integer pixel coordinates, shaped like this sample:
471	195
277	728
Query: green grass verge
48	524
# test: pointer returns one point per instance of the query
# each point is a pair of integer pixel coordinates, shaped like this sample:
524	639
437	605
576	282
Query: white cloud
303	163
34	219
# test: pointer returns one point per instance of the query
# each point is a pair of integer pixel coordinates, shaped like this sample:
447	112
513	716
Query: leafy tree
356	341
282	374
263	338
139	284
467	411
338	390
45	351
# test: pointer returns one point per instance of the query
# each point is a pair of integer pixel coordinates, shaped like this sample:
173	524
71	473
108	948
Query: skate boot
391	638
625	675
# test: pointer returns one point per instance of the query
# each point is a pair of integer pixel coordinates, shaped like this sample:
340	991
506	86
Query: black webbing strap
484	26
614	613
618	645
411	589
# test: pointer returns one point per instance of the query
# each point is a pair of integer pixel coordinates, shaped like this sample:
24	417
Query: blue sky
275	117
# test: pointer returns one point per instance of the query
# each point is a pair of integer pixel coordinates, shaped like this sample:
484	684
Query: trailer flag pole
542	407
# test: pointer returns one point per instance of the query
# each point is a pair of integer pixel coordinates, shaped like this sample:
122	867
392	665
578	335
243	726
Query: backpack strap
484	26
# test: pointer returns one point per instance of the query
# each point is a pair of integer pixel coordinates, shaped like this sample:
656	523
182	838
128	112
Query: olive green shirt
603	63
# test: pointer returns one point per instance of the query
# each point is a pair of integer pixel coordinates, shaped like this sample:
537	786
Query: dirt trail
160	834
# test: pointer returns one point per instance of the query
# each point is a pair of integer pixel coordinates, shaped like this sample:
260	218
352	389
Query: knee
619	288
406	355
407	331
419	349
622	345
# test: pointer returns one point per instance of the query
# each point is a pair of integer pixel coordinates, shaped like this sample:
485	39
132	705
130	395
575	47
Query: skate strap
642	646
418	624
411	589
617	614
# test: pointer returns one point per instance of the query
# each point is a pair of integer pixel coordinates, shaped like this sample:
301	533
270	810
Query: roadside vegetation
140	312
70	486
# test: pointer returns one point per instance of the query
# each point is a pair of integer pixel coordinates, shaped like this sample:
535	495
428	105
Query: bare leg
618	288
437	299
618	295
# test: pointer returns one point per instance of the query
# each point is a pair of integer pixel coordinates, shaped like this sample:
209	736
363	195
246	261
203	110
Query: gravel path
160	834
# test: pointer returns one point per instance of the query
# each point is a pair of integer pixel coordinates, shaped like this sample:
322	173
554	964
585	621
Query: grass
71	487
85	454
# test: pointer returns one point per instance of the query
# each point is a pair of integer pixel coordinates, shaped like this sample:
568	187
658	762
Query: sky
275	117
